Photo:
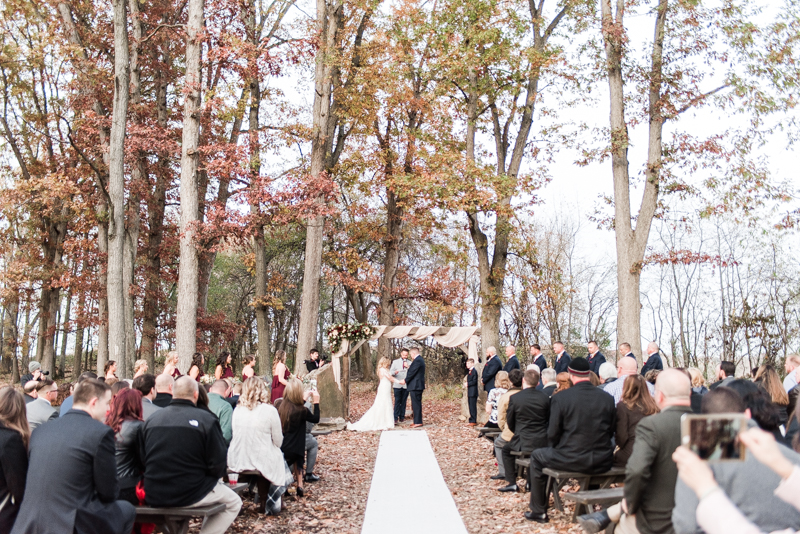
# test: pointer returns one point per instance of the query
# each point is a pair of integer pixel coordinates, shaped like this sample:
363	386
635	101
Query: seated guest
236	390
594	379
72	472
652	376
125	419
182	430
64	391
34	373
698	381
117	386
768	379
257	438
762	410
139	368
636	404
515	377
146	385
171	365
650	474
608	374
40	411
294	417
563	382
14	438
527	417
29	391
223	369
750	485
67	404
534	367
220	407
580	432
549	381
164	384
502	384
312	447
625	367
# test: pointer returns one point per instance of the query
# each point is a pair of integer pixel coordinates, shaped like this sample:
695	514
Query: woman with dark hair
110	370
223	369
767	378
280	375
248	371
118	386
762	410
125	419
196	369
294	416
636	404
15	436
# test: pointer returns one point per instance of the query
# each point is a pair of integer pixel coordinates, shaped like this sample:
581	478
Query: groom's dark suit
415	383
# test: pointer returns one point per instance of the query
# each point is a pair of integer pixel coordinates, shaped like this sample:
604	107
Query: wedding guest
564	382
511	359
72	472
312	447
791	366
248	371
537	357
561	359
625	367
196	369
64	391
171	365
515	377
256	443
146	385
34	373
139	368
608	374
764	412
164	385
294	416
595	357
490	369
223	368
110	370
399	370
698	381
217	394
236	391
471	381
502	384
636	404
594	379
67	404
550	381
768	379
653	360
29	391
312	363
185	458
280	375
726	373
125	419
652	376
41	410
202	399
117	386
14	437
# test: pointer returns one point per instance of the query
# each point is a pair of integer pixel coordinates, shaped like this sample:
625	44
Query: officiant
398	370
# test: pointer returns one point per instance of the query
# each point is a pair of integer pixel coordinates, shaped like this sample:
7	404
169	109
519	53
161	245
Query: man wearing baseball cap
580	432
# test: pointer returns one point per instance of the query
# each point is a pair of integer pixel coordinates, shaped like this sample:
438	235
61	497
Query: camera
45	373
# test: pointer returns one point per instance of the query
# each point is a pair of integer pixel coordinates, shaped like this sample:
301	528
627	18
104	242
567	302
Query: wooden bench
175	520
522	462
316	433
489	432
557	479
588	499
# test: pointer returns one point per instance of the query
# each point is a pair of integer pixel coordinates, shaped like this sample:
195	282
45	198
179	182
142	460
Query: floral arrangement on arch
353	332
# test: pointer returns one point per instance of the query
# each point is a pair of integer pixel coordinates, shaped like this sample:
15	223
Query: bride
381	415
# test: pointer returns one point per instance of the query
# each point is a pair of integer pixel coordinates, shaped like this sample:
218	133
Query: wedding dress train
381	415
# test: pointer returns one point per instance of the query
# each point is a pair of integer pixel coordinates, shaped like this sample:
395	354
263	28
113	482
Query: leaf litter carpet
336	504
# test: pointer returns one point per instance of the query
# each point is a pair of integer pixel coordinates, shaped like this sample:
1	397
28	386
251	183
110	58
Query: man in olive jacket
650	475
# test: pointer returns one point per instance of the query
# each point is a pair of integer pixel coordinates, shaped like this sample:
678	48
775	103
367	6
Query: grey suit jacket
148	408
40	411
397	371
750	485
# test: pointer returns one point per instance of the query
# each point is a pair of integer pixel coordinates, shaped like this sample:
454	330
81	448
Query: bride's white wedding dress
381	415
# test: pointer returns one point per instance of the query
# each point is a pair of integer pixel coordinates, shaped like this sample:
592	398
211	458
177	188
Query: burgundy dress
277	387
227	372
200	374
176	374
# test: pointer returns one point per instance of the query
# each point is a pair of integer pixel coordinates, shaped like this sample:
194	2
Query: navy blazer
511	364
562	365
415	375
472	383
595	362
653	362
490	371
541	361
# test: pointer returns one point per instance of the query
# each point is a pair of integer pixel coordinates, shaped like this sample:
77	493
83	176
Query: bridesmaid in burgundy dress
280	375
171	365
223	369
249	363
196	369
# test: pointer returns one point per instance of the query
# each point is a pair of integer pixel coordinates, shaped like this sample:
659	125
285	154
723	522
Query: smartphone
714	437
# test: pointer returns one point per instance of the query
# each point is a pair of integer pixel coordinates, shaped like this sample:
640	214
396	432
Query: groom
415	382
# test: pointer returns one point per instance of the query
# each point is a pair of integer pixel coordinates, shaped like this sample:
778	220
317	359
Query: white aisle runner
408	492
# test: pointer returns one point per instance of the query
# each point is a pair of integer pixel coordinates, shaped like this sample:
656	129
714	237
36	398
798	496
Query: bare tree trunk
77	361
632	243
186	320
11	334
62	359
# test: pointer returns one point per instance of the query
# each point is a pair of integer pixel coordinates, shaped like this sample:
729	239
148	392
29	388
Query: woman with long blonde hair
256	443
280	375
294	416
380	416
14	439
171	365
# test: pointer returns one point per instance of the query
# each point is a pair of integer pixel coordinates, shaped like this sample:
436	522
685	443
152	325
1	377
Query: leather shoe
311	477
594	522
510	487
416	425
539	518
499	477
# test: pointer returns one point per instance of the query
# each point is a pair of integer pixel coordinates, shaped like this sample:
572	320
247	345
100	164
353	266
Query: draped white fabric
424	331
398	332
379	330
337	365
456	336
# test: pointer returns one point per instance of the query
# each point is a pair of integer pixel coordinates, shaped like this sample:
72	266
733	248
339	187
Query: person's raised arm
765	449
104	469
313	417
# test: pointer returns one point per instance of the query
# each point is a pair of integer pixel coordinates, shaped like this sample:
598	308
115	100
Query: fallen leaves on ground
337	503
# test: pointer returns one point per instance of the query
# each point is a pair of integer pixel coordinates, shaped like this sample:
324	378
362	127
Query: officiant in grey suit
398	370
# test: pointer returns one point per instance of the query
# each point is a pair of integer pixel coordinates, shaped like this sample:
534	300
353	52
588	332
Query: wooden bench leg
557	485
176	526
583	485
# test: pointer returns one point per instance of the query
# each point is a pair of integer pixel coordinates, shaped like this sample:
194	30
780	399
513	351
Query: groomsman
490	370
472	392
511	359
561	359
625	350
653	360
538	358
398	370
595	357
415	382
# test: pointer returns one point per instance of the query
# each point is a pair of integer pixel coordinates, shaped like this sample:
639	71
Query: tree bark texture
186	319
64	335
11	334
